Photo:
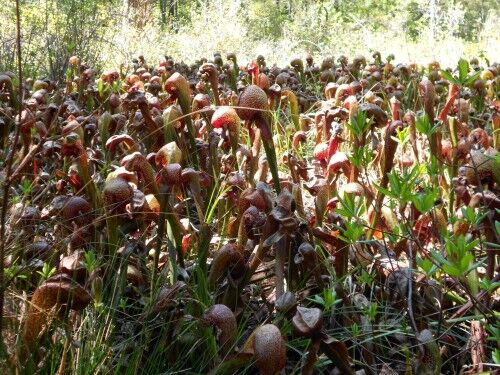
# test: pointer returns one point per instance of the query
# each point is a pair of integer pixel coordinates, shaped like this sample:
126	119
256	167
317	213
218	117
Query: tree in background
53	30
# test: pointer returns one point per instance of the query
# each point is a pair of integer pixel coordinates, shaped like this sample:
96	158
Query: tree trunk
171	9
163	12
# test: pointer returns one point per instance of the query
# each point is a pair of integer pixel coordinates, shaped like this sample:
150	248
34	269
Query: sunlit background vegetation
107	33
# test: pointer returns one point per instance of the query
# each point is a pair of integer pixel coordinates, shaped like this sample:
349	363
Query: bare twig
477	345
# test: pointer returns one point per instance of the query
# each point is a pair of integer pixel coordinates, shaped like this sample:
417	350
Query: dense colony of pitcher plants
332	217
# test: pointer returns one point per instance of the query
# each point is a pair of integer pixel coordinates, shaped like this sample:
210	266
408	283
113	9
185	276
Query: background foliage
107	33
